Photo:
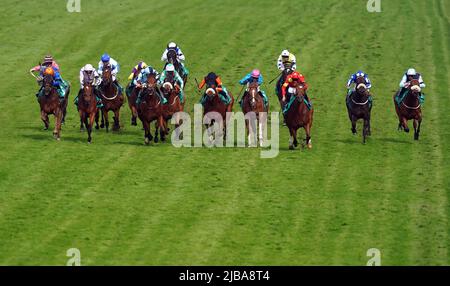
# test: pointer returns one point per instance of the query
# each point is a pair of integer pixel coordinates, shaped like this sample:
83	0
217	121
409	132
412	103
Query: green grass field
120	202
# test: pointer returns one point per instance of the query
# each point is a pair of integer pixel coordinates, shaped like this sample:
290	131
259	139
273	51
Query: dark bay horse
170	91
213	103
409	109
112	99
252	101
359	107
132	104
299	116
87	106
50	103
173	59
149	108
287	71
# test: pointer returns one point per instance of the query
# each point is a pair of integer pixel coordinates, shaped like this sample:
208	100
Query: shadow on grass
396	140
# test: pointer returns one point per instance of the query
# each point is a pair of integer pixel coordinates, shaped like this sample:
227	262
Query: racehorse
359	106
214	104
50	103
173	59
132	104
287	71
409	109
252	101
149	108
112	99
170	91
297	116
87	106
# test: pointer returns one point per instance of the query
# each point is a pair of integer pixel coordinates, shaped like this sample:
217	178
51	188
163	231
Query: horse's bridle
414	94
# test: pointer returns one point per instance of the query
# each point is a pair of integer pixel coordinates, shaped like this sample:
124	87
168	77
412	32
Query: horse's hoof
407	130
58	139
156	140
97	127
146	141
102	125
309	146
291	147
416	136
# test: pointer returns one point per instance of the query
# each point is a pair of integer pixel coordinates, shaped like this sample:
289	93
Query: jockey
289	83
91	74
134	74
107	60
255	75
180	55
409	75
286	58
142	78
57	82
220	89
170	71
352	80
49	62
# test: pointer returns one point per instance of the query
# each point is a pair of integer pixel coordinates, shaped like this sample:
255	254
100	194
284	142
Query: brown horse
410	109
252	101
213	103
87	106
170	91
284	74
112	99
359	106
50	103
132	104
299	116
149	108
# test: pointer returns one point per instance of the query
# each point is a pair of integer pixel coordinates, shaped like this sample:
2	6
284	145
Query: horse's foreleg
308	136
158	126
404	124
116	120
44	118
81	113
418	128
102	125
147	135
354	119
58	119
417	123
89	127
105	119
97	115
291	139
133	115
365	129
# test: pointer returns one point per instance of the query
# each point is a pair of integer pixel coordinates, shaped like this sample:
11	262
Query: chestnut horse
112	99
149	108
170	91
213	103
87	106
252	101
50	103
409	109
359	106
299	116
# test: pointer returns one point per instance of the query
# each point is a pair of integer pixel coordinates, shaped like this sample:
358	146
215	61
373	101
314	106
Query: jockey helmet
49	71
171	45
256	73
360	73
48	59
105	58
285	53
411	71
88	67
142	65
170	68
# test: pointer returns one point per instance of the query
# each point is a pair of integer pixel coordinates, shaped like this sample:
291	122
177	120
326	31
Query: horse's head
414	87
253	90
47	83
107	74
361	87
87	84
172	56
150	84
211	84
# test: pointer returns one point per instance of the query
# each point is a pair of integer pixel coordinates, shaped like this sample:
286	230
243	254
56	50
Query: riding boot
39	93
118	86
264	97
75	100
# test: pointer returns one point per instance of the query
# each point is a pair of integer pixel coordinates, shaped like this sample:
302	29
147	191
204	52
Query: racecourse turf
120	202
